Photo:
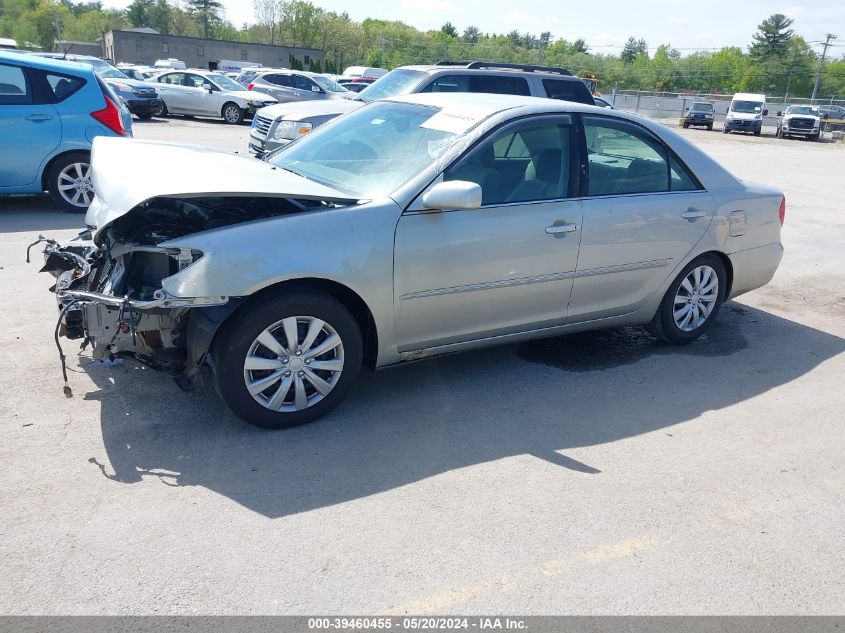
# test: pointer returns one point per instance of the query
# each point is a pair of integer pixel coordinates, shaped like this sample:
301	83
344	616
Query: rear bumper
754	267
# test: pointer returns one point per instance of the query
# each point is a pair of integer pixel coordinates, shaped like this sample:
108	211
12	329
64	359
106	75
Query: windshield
801	110
372	151
397	82
747	106
227	84
702	107
328	84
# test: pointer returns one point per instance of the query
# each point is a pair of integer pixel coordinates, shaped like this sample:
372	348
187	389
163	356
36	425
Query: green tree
206	13
772	37
634	48
471	34
449	29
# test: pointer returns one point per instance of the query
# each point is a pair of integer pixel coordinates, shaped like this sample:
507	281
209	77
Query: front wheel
160	111
692	301
288	360
232	114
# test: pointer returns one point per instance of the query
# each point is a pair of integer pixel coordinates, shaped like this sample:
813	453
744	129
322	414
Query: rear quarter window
63	86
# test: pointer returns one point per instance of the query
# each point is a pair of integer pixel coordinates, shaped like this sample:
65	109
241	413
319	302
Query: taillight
782	212
110	117
250	86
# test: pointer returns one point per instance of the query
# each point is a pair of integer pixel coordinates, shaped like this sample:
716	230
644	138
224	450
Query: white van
171	62
364	71
746	113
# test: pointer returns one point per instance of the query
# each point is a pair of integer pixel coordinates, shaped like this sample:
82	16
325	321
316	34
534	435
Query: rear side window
479	83
567	91
14	88
279	80
63	86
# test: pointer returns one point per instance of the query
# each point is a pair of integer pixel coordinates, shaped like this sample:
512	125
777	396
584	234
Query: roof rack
476	65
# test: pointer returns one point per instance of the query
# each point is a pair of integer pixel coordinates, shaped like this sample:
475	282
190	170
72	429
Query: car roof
491	69
488	104
45	63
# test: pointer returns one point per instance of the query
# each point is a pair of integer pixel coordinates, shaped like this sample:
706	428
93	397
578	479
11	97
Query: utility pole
57	22
827	44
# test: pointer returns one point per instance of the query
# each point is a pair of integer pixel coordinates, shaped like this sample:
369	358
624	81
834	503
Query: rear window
568	91
14	88
494	84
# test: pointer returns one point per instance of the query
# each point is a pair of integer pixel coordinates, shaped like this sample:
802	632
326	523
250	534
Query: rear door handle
557	229
693	214
38	117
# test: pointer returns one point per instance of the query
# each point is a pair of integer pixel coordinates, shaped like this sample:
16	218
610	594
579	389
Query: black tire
686	125
816	137
228	113
160	111
52	179
726	130
710	127
146	116
233	343
663	324
757	132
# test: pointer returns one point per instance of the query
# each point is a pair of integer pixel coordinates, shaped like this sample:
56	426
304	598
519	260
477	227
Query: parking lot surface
596	473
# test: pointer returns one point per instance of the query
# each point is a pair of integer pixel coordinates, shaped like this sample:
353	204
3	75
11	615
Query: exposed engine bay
109	289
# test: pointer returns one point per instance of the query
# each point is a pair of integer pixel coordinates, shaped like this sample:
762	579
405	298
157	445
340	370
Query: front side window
195	81
370	152
621	159
524	163
303	83
564	90
14	88
173	79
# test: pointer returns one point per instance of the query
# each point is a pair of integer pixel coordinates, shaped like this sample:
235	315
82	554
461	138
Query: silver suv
278	125
294	85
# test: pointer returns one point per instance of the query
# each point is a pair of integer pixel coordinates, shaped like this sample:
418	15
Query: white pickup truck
800	120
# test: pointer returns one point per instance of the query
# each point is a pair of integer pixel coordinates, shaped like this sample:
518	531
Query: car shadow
19	214
401	426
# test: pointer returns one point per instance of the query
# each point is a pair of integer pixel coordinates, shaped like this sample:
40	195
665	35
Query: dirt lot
598	473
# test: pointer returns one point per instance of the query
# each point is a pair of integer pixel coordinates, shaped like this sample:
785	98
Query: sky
683	24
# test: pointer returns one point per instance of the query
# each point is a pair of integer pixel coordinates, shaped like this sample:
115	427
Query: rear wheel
692	301
288	360
69	182
232	113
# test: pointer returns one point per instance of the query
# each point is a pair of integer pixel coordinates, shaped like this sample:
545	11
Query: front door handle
38	117
557	229
692	214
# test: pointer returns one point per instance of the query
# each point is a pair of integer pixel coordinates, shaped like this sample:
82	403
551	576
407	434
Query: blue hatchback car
50	111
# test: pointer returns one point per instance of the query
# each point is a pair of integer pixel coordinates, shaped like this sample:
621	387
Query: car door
198	98
308	88
280	87
29	130
506	267
643	213
173	93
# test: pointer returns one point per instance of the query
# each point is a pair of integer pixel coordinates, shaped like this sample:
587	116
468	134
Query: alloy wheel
232	114
294	363
74	184
695	299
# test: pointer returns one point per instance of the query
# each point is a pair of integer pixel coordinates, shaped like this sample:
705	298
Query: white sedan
199	93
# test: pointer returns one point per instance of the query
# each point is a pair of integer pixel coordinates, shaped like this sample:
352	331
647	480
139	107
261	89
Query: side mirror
780	112
765	113
208	87
453	194
316	89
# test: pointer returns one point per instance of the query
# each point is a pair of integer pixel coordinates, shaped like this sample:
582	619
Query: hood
184	171
134	83
305	109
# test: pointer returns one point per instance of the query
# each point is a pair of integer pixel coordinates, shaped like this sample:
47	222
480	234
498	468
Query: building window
165	47
307	61
139	45
201	51
244	54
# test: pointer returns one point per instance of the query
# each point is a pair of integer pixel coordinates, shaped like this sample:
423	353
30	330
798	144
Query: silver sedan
408	228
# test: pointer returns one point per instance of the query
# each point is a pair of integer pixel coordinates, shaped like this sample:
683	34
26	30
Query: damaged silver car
409	228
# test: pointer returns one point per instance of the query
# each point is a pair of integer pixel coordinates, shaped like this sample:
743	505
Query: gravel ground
596	473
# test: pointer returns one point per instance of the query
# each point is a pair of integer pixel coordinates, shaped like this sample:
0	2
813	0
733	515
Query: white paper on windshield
450	121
